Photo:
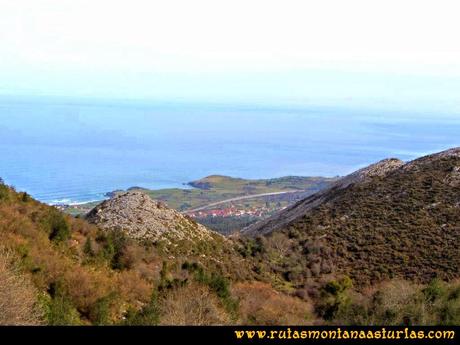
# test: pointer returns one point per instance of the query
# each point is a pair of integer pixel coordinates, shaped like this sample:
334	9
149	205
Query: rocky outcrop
141	217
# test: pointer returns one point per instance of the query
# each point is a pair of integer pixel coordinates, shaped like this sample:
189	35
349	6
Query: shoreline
217	191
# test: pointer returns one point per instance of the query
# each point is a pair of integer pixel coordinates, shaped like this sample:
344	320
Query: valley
224	203
379	246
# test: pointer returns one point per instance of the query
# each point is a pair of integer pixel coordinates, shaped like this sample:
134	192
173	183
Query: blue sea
73	151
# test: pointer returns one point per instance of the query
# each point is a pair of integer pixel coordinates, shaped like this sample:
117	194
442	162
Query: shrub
402	303
25	197
334	298
260	304
88	247
4	192
191	305
251	247
61	312
434	290
18	297
149	315
336	287
219	285
99	313
116	244
130	256
59	230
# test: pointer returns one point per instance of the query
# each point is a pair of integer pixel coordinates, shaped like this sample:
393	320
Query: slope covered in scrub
403	223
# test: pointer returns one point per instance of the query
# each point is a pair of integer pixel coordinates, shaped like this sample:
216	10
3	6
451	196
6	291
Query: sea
65	151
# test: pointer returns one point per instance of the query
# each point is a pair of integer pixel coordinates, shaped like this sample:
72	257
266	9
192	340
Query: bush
59	230
18	297
434	290
260	304
116	244
147	316
404	303
25	197
334	298
251	247
336	287
219	285
100	312
88	247
61	312
192	305
4	192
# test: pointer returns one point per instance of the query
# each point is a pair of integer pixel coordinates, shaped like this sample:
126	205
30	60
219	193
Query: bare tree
194	305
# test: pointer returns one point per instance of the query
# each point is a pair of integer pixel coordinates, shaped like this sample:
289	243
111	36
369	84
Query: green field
217	188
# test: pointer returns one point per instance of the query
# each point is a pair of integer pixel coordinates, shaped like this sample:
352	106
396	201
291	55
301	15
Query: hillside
303	206
143	218
231	185
378	247
146	220
390	220
60	270
72	272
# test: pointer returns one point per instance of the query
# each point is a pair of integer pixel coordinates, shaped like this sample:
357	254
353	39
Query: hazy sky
390	53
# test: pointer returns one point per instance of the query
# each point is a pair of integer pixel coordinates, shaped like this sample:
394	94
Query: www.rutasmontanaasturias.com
383	333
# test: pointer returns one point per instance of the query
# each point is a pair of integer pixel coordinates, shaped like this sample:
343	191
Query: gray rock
141	217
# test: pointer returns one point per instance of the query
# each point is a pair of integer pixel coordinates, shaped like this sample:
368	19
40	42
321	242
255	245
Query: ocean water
75	151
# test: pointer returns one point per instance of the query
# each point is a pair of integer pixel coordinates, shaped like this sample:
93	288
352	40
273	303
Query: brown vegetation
194	305
379	251
260	304
18	296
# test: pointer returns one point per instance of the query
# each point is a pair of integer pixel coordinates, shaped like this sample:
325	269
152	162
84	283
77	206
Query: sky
393	53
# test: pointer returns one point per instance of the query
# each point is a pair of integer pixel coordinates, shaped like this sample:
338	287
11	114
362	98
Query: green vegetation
217	283
80	275
403	303
218	188
60	310
58	228
401	226
334	298
384	252
227	225
149	315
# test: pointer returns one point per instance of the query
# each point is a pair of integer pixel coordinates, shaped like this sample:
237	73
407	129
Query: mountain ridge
402	221
377	169
380	247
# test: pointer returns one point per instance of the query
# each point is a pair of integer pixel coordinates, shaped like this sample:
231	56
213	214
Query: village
234	211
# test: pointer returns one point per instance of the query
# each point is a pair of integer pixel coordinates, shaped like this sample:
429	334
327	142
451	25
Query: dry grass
18	297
